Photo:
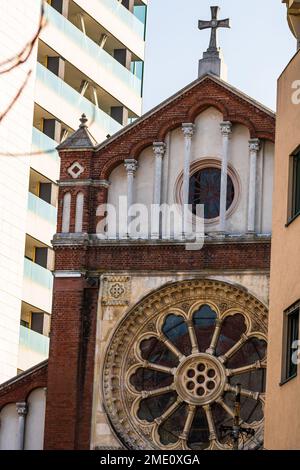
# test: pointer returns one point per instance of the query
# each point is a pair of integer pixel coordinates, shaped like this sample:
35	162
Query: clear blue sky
256	48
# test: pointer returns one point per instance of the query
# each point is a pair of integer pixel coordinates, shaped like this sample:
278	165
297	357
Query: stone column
254	147
226	129
159	149
188	132
131	165
22	410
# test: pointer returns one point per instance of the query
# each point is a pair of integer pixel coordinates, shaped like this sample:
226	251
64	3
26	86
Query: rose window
180	378
205	186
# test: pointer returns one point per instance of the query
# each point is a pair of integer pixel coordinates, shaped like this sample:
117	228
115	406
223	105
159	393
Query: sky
256	48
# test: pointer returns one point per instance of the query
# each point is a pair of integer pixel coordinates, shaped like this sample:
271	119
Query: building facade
149	339
283	384
88	58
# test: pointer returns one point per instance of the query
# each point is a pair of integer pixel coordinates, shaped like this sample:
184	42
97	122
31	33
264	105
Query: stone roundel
200	379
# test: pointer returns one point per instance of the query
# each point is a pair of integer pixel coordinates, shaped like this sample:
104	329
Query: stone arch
203	105
144	321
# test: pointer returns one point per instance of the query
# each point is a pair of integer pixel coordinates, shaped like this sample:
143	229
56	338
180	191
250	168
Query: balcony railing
38	274
92	49
41	142
41	208
131	21
66	93
34	341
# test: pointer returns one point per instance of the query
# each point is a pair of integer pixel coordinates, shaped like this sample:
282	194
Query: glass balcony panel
38	274
67	93
34	341
133	22
41	142
92	49
42	208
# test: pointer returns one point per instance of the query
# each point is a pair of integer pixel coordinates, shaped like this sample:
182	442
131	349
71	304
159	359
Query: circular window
172	368
205	185
205	188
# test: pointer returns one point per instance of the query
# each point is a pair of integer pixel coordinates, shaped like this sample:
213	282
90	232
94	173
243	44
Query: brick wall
18	388
71	362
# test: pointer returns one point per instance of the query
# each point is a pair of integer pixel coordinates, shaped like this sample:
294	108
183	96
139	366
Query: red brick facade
20	387
70	384
73	329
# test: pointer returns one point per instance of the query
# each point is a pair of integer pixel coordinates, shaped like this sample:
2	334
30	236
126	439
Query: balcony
120	22
66	104
45	159
34	341
37	286
33	348
93	61
42	209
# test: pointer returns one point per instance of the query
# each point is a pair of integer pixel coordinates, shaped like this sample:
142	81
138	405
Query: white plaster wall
35	420
267	187
19	21
8	427
206	143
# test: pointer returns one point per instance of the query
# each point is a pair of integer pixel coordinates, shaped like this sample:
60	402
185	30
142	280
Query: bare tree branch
11	104
25	53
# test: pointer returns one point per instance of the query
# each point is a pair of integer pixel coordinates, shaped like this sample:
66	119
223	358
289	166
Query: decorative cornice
91	240
85	182
63	274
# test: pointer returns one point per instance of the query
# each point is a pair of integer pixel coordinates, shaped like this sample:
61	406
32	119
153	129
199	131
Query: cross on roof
214	24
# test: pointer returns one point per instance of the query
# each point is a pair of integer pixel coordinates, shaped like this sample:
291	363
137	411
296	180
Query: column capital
131	165
226	128
22	408
159	149
254	145
188	129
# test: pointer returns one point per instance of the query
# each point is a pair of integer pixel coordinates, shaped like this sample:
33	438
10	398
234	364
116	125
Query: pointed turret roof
81	139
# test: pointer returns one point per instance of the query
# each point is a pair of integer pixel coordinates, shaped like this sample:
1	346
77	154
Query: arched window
79	212
66	213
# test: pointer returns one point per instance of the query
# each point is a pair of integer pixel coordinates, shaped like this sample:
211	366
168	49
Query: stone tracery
179	356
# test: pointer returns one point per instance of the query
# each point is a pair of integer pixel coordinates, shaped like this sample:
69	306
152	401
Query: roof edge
185	89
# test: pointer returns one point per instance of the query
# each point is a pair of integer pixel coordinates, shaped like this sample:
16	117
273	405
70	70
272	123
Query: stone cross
214	24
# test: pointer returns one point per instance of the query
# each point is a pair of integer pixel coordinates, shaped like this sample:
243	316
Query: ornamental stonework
179	367
116	290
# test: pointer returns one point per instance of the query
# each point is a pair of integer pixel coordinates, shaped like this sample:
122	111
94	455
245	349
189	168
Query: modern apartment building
282	429
88	59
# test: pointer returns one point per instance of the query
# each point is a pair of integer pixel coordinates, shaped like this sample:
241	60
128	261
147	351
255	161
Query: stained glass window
188	386
205	185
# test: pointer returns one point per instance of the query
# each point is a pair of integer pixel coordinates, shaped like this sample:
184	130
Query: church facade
154	332
149	339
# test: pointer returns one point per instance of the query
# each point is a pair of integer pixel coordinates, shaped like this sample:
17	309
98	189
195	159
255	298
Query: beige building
282	428
88	59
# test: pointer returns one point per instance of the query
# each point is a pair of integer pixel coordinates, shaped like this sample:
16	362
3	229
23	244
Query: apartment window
296	185
291	342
